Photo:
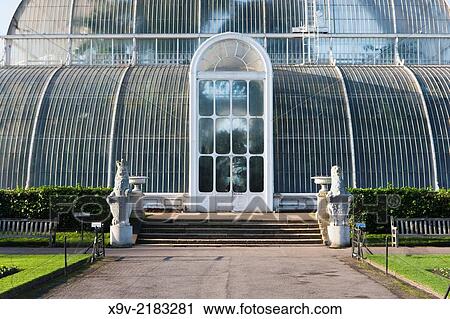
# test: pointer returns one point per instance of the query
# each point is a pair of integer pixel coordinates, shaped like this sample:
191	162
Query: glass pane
205	174
223	98
256	174
240	98
256	100
239	174
239	136
206	136
223	129
256	137
223	174
206	98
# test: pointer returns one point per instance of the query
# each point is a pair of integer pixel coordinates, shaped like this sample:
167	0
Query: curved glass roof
373	121
21	91
217	16
435	83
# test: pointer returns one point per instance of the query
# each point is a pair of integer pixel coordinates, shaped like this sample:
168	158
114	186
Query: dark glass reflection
239	136
223	128
256	98
206	136
243	16
222	98
256	136
223	174
256	174
240	98
206	98
239	174
205	174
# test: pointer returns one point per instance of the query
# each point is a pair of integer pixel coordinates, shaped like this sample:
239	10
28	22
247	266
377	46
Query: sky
7	8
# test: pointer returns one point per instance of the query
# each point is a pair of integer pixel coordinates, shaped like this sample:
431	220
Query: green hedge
374	206
56	202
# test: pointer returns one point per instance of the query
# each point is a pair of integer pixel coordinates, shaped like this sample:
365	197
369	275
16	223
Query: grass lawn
379	240
73	240
416	268
32	267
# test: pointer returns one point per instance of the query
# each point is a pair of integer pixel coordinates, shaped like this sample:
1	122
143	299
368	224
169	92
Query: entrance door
231	143
231	126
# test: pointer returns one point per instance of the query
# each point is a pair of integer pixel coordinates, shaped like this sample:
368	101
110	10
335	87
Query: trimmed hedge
56	202
375	206
372	206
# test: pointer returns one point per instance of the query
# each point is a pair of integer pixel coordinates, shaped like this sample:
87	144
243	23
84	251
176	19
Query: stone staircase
229	232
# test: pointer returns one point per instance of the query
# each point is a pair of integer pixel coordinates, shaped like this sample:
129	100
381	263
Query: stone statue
121	232
339	201
118	199
122	179
122	201
337	181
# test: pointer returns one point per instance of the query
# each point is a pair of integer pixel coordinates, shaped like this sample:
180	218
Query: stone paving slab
142	250
152	272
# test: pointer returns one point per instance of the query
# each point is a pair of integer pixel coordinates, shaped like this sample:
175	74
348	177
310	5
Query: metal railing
359	244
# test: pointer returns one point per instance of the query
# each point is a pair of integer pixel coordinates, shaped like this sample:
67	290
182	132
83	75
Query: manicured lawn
379	240
73	240
32	267
416	268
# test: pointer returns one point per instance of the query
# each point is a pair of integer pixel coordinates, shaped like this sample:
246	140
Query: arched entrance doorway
231	147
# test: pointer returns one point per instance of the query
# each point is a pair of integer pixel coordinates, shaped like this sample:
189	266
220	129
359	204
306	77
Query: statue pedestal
121	236
339	236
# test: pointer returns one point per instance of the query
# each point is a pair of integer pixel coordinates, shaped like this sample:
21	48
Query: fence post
359	244
103	241
65	255
387	255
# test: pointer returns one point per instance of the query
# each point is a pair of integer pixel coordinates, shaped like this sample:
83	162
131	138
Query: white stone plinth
339	236
121	235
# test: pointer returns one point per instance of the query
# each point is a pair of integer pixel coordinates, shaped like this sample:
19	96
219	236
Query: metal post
103	241
359	243
387	255
65	255
448	292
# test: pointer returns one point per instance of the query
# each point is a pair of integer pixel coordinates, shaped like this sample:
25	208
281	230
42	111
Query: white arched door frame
200	201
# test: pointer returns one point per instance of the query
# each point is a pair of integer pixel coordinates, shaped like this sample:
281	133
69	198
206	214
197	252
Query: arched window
231	55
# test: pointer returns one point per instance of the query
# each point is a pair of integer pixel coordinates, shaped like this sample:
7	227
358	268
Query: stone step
228	225
217	232
229	242
186	229
220	235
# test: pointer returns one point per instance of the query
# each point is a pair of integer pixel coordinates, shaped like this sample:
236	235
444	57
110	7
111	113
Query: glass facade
435	84
357	83
169	31
314	125
311	127
392	142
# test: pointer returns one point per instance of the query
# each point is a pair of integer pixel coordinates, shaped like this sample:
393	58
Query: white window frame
195	77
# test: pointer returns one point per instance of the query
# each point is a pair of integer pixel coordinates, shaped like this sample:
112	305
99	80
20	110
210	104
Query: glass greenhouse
234	100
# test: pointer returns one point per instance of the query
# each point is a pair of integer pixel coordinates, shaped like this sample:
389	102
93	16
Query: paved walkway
152	272
159	272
